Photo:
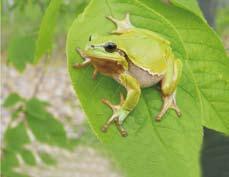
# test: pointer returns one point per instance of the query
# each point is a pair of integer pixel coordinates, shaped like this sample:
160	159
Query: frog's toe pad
104	128
116	120
124	133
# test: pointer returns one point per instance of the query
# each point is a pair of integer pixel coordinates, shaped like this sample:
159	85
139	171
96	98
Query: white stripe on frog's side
143	76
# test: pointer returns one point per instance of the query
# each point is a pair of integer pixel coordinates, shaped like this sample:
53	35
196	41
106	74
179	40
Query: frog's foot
122	25
169	102
119	114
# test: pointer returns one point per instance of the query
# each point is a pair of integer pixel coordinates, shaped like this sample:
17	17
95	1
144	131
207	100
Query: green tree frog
136	58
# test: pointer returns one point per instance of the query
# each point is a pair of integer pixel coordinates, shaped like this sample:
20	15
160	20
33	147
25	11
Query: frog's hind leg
121	111
168	87
122	25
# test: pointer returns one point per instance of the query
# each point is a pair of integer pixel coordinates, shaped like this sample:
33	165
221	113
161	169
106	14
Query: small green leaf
8	161
37	108
47	28
16	137
27	157
47	159
44	125
21	51
16	113
12	100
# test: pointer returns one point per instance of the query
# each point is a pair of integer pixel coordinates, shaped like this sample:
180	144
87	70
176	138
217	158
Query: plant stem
41	78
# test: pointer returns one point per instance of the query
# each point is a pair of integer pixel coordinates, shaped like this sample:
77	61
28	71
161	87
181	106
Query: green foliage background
30	116
27	41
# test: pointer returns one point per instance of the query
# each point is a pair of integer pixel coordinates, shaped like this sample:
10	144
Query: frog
136	58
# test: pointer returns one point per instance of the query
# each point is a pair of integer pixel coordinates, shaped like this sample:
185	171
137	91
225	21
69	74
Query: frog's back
146	49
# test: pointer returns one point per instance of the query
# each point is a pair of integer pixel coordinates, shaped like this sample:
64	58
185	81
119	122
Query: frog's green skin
142	59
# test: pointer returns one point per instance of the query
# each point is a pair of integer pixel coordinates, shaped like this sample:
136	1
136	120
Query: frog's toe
107	124
178	112
122	25
81	65
80	52
122	131
112	106
115	118
119	114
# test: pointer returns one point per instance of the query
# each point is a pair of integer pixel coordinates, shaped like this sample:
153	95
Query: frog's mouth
102	55
106	63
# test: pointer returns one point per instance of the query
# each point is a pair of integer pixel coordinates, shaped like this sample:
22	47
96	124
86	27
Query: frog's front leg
168	87
121	111
85	63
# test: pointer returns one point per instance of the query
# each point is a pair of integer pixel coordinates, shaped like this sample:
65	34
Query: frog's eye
110	47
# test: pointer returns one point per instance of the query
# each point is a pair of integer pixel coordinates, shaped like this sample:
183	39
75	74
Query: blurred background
45	89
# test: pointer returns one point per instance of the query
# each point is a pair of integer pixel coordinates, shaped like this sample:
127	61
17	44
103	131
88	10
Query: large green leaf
47	27
151	147
208	62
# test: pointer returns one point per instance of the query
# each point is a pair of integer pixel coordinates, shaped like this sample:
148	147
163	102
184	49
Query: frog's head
104	54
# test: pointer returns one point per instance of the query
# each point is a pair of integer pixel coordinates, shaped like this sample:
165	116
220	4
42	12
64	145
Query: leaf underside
169	148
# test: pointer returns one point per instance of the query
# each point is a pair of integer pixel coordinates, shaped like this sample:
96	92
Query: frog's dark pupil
110	47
